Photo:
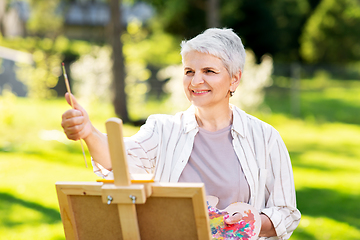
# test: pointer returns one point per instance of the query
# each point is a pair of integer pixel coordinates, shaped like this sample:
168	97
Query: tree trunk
118	69
3	6
212	14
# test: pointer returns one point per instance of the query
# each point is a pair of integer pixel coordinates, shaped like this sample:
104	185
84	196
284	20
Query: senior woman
238	157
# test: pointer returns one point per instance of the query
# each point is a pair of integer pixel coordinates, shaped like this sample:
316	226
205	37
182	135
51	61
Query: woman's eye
209	71
188	72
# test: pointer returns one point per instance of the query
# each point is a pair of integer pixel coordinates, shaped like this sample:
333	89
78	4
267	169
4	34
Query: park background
301	76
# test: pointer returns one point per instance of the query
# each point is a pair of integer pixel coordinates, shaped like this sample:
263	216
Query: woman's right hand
76	122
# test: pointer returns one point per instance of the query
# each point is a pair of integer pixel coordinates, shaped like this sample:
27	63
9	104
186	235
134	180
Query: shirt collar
190	120
239	121
238	126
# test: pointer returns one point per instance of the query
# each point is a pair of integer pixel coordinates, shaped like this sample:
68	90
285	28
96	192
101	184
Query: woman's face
206	80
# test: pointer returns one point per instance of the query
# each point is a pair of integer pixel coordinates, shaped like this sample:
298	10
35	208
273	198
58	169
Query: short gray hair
221	43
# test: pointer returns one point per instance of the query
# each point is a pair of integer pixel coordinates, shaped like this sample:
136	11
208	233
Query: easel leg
129	222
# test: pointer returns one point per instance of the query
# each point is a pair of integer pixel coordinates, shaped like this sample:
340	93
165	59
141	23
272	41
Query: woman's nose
197	79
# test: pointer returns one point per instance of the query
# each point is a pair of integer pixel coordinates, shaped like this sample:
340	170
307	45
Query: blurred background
302	75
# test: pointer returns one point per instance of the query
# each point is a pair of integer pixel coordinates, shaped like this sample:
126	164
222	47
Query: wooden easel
131	210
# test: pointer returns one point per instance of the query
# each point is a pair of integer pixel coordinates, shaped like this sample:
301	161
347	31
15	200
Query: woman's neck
213	120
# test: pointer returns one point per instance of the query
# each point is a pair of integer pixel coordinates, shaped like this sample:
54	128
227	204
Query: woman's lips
200	91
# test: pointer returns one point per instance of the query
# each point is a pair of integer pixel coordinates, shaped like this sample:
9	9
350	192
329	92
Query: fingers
73	102
72	113
234	218
76	122
67	97
71	118
75	132
76	106
73	124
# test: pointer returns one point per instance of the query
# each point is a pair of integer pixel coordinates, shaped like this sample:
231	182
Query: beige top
213	161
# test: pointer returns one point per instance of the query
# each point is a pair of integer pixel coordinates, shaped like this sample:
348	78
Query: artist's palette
247	228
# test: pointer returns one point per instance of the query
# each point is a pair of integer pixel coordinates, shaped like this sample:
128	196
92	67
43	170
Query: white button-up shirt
164	143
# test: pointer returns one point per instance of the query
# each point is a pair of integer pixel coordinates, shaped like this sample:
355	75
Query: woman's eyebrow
211	68
187	68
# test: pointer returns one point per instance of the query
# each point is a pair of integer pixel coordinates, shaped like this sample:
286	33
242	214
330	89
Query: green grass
322	141
326	166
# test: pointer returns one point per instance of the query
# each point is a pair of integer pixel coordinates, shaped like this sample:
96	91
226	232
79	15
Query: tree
265	26
4	5
254	22
116	28
331	34
185	18
44	20
212	13
290	18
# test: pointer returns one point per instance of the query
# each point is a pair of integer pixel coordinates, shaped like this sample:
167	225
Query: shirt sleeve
281	200
141	151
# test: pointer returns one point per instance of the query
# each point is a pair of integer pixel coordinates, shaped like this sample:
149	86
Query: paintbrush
72	105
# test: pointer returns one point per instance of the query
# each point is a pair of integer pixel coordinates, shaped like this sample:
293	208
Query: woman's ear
235	81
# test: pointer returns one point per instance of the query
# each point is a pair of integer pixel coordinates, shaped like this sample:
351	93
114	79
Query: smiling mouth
199	92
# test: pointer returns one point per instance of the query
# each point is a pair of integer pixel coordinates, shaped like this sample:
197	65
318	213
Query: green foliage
43	74
290	17
45	19
146	47
265	26
43	77
92	76
290	30
150	45
331	34
254	22
181	18
143	46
